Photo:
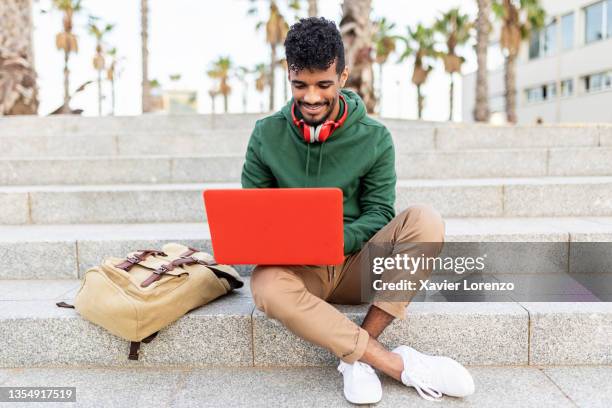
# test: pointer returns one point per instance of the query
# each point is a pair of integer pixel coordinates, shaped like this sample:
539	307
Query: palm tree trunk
144	38
481	107
212	98
112	81
225	103
356	29
66	81
99	93
18	90
312	8
451	97
245	88
272	66
419	102
510	82
380	88
285	89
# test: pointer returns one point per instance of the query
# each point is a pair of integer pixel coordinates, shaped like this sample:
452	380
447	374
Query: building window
598	82
534	94
543	42
567	31
541	93
609	18
567	87
550	91
534	45
549	45
595	21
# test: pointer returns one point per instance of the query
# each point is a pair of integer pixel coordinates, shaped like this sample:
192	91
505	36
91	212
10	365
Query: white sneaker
433	376
361	384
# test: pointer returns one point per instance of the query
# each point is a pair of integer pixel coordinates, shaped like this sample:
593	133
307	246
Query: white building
564	72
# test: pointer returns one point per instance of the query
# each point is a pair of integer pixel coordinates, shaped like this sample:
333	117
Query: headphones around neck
319	133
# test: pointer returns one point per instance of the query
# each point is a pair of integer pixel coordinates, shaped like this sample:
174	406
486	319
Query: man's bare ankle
382	359
376	320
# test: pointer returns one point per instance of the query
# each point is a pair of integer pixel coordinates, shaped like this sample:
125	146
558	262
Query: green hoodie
358	158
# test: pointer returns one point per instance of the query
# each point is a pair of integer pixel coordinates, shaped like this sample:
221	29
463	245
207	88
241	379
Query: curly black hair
314	43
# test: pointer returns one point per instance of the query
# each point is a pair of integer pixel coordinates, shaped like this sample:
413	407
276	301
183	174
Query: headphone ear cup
307	133
325	131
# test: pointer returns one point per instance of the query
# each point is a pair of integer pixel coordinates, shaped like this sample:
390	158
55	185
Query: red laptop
281	226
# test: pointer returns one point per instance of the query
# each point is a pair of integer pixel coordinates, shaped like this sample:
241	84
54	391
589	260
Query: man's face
316	92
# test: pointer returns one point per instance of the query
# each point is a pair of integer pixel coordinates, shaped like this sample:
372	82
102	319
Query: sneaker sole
352	400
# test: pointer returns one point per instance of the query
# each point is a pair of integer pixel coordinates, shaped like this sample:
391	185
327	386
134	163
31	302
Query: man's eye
298	86
324	86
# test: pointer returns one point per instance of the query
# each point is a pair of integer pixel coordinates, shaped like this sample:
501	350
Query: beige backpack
135	297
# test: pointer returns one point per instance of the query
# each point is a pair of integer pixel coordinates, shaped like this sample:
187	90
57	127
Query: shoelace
421	385
357	365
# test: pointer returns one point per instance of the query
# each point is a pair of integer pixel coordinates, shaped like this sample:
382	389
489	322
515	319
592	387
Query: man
323	138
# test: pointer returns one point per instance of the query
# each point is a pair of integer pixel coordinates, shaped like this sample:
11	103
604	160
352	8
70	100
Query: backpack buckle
161	270
133	259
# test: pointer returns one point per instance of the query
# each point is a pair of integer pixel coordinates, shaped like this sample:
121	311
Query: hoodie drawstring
307	159
320	160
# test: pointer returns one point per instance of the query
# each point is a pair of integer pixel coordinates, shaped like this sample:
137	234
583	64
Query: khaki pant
297	296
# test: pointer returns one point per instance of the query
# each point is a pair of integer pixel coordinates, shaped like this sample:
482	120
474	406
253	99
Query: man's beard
332	105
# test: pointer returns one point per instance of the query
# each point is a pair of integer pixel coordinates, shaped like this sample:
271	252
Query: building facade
564	71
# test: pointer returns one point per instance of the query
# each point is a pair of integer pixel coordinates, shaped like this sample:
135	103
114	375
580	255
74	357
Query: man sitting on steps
296	147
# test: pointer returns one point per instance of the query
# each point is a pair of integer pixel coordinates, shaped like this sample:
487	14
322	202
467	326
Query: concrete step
194	135
150	203
432	164
494	137
29	126
67	251
232	332
529	387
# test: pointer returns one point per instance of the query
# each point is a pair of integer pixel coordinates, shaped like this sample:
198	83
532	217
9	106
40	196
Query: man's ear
344	77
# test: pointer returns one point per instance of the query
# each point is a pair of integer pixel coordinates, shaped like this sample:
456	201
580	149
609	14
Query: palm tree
456	29
519	19
98	60
276	31
283	63
356	29
67	41
18	91
261	80
312	8
213	96
144	39
241	74
420	39
483	28
220	70
111	74
384	42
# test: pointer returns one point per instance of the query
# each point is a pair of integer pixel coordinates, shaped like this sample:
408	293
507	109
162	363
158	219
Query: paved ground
563	386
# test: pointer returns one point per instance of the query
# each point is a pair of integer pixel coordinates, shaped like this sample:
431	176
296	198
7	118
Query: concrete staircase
74	189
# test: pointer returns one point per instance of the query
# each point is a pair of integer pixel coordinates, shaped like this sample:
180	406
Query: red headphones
319	133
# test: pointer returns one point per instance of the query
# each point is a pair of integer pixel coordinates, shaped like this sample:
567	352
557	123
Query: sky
185	36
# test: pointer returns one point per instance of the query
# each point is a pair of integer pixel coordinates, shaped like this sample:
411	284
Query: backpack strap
138	257
135	346
157	274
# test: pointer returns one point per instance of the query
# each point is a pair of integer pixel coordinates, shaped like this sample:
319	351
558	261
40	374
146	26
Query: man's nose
312	97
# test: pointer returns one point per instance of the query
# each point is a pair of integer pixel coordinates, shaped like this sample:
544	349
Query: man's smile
312	109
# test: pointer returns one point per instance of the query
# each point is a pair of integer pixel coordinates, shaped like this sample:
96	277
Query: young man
323	138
